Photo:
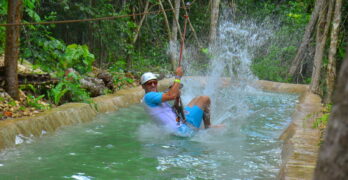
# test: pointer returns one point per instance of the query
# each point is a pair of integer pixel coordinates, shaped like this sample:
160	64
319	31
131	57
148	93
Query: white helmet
147	77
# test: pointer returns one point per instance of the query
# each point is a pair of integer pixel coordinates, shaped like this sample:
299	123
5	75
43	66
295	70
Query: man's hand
179	71
174	91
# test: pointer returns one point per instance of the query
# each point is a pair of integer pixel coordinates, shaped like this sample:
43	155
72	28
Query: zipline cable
183	40
178	105
89	19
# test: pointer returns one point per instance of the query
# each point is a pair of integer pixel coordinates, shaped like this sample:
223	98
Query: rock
68	71
22	95
24	66
107	79
5	95
94	85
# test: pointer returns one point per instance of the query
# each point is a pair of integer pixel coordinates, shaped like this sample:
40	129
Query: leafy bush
271	66
54	55
34	102
288	20
77	57
3	12
56	93
45	53
68	89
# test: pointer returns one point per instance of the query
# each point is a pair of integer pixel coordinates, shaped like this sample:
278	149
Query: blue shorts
194	115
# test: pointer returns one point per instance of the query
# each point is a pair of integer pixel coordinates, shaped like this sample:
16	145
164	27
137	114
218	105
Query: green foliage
32	88
288	20
77	57
2	40
45	53
321	122
12	102
295	12
120	78
270	67
30	9
21	108
38	45
112	41
53	55
33	101
68	89
48	52
3	12
57	93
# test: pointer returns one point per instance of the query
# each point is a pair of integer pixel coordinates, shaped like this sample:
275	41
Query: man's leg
203	102
206	117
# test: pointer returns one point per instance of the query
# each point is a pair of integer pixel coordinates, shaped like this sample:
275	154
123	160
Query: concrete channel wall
300	139
69	114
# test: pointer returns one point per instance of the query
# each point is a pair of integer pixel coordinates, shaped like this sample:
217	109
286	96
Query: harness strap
179	111
180	116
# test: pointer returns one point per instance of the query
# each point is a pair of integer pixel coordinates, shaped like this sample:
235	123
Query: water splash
24	139
230	59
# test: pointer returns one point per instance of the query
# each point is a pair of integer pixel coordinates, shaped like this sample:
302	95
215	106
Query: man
156	104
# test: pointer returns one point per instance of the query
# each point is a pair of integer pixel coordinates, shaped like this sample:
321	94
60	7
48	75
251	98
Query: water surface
127	145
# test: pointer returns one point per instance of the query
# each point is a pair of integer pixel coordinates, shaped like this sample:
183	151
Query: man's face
150	86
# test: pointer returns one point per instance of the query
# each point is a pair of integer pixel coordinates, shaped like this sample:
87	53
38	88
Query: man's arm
174	91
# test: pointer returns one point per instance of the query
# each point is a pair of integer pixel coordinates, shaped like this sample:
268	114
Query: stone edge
301	140
69	114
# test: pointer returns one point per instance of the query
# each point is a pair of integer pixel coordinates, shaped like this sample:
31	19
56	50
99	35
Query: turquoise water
127	145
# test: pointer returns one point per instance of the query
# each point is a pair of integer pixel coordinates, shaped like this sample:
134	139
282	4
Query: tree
175	30
175	24
12	47
303	49
141	22
333	156
331	67
137	31
166	22
214	20
323	27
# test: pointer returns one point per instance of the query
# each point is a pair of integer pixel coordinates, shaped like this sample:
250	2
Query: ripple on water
79	176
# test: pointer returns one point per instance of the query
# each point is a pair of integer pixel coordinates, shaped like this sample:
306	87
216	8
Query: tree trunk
331	67
175	29
323	27
124	2
129	61
214	20
12	47
165	19
333	156
301	52
175	24
141	22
